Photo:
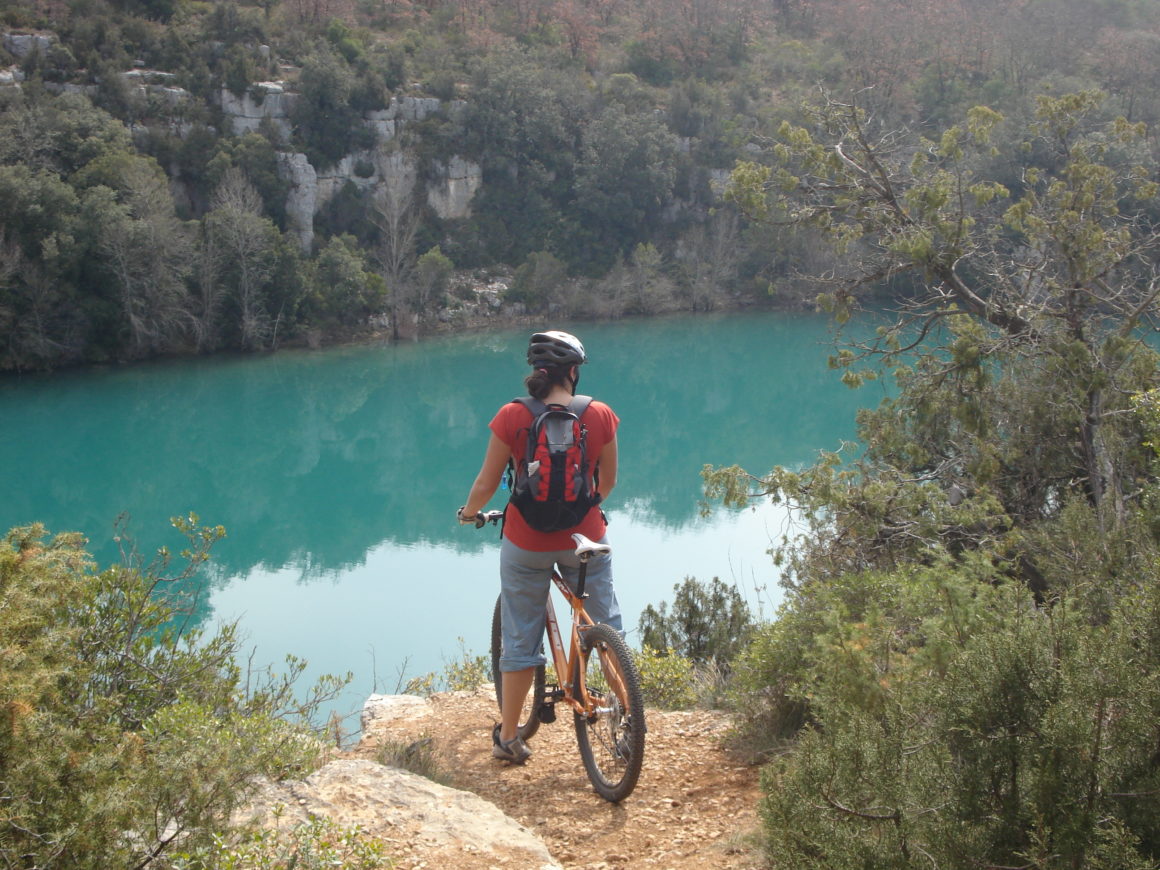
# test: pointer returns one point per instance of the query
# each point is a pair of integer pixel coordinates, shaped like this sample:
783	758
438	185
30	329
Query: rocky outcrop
311	189
389	121
21	45
300	201
264	101
272	102
449	192
449	828
459	180
423	823
695	806
269	106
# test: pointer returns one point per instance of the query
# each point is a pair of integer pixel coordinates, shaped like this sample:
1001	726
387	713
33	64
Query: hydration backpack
553	486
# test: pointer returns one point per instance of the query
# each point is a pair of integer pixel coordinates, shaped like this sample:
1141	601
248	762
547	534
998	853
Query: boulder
383	713
443	826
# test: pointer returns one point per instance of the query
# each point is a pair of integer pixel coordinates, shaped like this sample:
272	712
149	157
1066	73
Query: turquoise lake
337	473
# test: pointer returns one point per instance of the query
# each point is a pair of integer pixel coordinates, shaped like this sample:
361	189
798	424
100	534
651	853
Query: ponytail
541	380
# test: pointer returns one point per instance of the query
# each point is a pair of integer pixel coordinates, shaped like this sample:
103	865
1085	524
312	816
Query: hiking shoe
514	750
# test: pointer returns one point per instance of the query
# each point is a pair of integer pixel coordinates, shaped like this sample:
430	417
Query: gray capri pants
524	586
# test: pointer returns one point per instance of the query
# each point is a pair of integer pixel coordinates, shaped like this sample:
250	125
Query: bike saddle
586	546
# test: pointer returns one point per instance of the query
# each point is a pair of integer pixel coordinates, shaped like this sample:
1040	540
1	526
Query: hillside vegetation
135	223
964	671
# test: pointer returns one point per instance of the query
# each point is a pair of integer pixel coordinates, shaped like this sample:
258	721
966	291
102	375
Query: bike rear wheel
611	739
530	718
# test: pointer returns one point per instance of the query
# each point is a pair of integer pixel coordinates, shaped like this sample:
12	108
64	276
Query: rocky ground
694	807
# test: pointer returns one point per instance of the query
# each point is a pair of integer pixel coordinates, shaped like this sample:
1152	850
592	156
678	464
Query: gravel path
694	806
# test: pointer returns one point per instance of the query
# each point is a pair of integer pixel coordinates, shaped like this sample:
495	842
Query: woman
527	556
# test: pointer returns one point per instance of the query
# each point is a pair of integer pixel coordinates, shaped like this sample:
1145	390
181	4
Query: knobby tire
535	696
612	742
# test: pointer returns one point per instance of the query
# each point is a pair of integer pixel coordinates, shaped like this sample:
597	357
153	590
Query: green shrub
959	723
123	732
711	686
423	685
468	672
708	621
666	678
538	281
313	845
463	674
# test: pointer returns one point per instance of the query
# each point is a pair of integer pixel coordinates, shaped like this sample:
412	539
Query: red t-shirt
510	425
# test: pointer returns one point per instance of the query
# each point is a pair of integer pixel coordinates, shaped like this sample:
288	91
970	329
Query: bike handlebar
483	517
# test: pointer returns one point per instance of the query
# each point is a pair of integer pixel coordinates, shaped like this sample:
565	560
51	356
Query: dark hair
541	380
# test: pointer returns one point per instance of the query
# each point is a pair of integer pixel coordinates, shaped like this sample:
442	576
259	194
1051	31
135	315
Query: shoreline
472	322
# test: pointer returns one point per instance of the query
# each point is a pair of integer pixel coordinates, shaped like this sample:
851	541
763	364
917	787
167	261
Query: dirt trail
694	806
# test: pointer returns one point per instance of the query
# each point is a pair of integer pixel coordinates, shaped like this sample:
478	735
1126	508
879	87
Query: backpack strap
532	404
535	408
577	406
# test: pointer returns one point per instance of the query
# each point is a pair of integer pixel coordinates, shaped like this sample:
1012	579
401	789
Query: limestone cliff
269	105
448	192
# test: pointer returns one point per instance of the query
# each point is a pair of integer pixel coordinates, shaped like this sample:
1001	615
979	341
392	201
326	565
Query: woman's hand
477	519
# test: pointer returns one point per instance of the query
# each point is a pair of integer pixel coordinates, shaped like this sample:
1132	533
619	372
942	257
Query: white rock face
300	201
384	125
380	712
396	804
21	45
412	108
332	179
246	113
312	188
399	170
460	180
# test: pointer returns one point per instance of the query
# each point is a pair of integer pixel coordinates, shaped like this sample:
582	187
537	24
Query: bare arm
495	460
607	463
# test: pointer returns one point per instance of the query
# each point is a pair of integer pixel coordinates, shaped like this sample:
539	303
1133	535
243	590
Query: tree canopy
963	660
1020	333
600	131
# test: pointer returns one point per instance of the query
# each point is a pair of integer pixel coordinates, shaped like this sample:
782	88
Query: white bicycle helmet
555	348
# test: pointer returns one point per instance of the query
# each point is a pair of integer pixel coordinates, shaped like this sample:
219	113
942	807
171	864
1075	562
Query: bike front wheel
611	738
530	717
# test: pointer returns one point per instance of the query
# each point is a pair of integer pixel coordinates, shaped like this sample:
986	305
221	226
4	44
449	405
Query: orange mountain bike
596	677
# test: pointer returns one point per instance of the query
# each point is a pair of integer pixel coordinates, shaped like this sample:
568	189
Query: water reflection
312	459
340	470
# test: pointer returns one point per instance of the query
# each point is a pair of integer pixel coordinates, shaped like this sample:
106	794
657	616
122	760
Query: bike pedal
547	714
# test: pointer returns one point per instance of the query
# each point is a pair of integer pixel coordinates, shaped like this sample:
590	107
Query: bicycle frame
575	696
609	716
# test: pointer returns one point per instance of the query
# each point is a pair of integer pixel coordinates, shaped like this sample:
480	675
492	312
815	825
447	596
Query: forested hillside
141	215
